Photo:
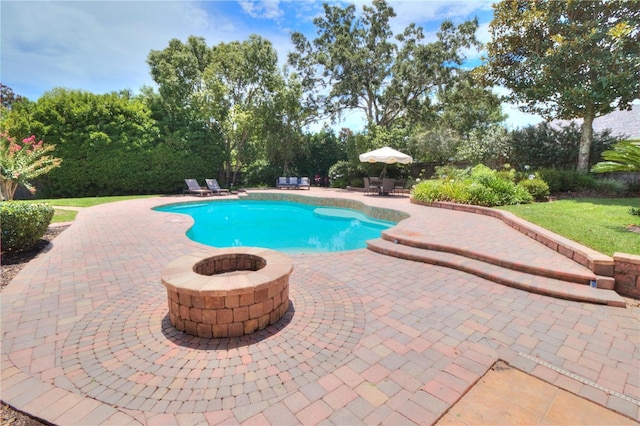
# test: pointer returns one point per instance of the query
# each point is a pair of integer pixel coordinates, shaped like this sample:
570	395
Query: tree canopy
357	63
232	90
567	59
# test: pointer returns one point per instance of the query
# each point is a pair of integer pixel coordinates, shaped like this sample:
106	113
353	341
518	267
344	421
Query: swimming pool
281	225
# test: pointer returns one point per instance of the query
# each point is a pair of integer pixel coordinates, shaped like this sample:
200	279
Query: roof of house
620	123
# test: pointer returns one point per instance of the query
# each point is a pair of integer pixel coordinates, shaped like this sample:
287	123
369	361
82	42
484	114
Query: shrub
482	187
538	188
544	145
23	224
428	190
490	146
480	195
450	171
261	173
357	182
611	186
339	174
566	180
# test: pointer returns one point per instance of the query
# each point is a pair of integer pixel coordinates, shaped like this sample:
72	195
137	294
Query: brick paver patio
368	339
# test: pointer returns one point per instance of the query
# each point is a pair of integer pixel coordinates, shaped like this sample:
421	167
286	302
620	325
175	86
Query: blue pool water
284	226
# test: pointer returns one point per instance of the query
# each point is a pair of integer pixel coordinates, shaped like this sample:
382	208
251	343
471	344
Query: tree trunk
7	189
585	141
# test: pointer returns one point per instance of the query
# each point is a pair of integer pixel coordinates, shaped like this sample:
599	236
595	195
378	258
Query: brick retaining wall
627	274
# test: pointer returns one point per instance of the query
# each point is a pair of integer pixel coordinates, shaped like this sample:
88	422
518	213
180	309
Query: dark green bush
610	186
538	188
543	145
356	182
566	180
23	224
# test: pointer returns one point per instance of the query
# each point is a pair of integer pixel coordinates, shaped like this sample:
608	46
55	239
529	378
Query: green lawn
87	201
60	215
63	215
598	223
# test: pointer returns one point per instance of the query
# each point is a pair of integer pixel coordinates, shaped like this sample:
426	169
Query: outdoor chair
398	187
193	187
212	184
304	182
370	188
387	186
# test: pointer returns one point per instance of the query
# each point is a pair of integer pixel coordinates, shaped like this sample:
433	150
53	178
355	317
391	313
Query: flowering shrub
479	186
339	174
22	161
23	224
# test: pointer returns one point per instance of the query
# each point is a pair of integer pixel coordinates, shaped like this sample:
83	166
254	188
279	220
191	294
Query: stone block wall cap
239	284
630	258
259	279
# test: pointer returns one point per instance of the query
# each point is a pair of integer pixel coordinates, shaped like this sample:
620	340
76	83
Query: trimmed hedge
23	224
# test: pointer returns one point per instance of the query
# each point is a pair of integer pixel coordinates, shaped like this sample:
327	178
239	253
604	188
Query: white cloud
518	119
102	46
268	9
436	11
93	45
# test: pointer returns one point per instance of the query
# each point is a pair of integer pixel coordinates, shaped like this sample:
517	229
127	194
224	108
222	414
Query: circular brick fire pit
227	292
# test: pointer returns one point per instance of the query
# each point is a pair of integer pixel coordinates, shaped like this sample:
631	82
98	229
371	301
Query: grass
598	223
60	215
87	201
64	215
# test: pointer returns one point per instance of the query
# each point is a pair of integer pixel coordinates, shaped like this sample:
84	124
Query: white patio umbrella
385	155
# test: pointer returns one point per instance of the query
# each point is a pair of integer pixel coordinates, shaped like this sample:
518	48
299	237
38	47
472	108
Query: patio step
580	277
524	280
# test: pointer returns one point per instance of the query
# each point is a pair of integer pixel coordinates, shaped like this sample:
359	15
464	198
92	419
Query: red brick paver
368	338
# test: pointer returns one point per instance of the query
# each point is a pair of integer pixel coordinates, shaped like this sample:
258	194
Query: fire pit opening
225	264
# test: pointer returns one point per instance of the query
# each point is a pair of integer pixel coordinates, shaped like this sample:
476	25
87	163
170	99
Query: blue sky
102	46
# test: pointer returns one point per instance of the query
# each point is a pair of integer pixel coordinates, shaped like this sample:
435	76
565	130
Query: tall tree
468	108
357	63
8	97
246	77
186	108
567	59
220	90
282	125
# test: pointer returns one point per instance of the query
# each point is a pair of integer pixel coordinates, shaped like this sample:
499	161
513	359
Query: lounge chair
193	187
212	184
304	182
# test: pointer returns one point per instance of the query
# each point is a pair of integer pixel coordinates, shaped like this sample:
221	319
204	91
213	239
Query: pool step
525	280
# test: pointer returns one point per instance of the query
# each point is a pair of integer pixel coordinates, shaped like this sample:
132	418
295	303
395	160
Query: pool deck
369	338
